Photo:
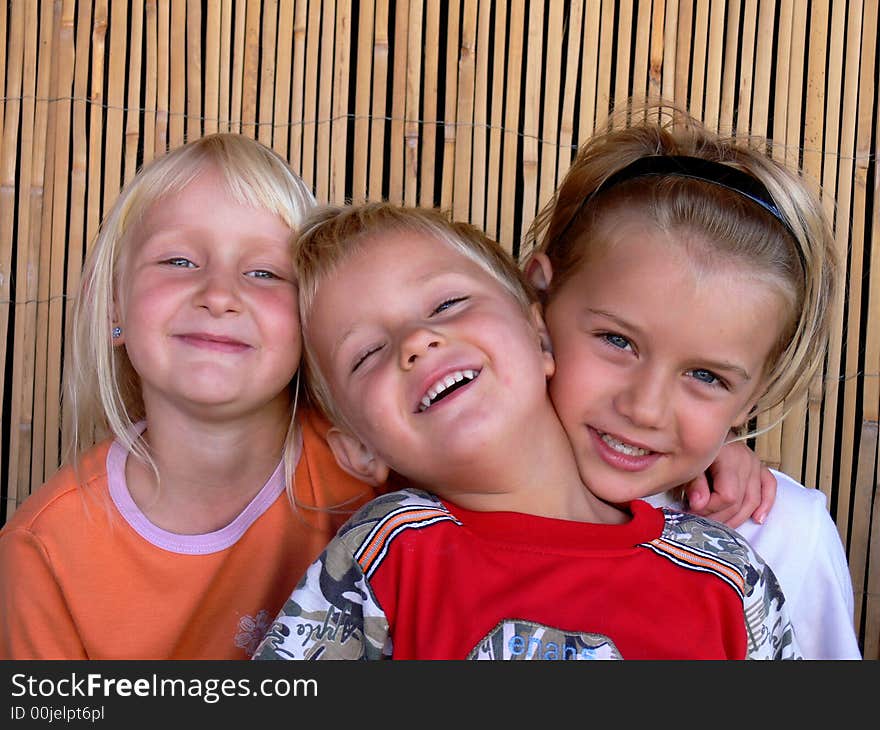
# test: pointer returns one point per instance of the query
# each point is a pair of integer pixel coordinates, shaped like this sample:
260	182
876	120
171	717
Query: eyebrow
721	365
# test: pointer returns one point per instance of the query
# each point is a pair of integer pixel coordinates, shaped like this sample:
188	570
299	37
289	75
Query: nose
219	292
644	400
416	343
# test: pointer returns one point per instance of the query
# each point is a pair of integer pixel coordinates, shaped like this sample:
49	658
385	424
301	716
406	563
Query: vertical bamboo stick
54	242
361	142
548	103
566	125
177	74
151	74
715	64
300	20
814	134
132	114
683	48
531	117
75	234
769	445
728	75
481	118
748	42
250	73
411	125
325	105
511	173
339	126
641	69
794	426
280	120
464	113
590	68
828	387
763	66
30	204
845	178
213	35
163	91
379	103
670	51
194	87
603	76
9	160
96	120
623	40
872	594
699	60
113	120
266	63
3	34
239	46
497	138
447	175
861	514
430	102
657	56
224	95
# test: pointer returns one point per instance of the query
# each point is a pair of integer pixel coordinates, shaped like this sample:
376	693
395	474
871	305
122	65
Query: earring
117	333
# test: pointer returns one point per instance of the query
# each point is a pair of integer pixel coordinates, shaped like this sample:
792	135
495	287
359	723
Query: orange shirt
84	575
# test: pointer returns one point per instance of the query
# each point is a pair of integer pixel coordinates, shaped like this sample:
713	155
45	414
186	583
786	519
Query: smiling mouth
446	386
622	447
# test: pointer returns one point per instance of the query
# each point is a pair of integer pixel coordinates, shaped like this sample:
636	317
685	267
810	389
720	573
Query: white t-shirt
800	543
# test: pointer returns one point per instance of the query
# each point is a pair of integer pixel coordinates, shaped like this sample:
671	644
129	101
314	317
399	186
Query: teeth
623	448
441	385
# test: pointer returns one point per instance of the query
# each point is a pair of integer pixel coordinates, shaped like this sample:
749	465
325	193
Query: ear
544	337
539	271
355	458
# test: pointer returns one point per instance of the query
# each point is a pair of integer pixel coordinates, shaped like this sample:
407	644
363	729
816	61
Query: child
426	350
174	538
661	242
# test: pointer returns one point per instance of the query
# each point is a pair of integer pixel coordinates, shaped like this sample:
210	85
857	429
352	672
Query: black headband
695	168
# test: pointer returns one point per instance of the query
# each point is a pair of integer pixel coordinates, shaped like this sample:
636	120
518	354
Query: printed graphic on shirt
251	630
512	639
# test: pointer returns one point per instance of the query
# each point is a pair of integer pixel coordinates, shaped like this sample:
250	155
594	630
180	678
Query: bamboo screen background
473	106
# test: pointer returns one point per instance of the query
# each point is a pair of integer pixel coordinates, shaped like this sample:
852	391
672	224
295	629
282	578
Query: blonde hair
332	234
102	390
796	255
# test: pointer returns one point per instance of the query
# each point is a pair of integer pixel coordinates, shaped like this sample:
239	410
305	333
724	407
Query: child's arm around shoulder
333	612
735	487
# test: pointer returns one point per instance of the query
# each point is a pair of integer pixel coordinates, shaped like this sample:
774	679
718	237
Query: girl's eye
363	358
446	304
617	341
180	262
707	377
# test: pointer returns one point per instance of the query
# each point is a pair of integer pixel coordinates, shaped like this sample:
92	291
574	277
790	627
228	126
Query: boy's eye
262	274
180	262
617	341
447	303
363	358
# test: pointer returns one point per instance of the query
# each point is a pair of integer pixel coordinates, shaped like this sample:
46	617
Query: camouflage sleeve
769	629
769	632
332	614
